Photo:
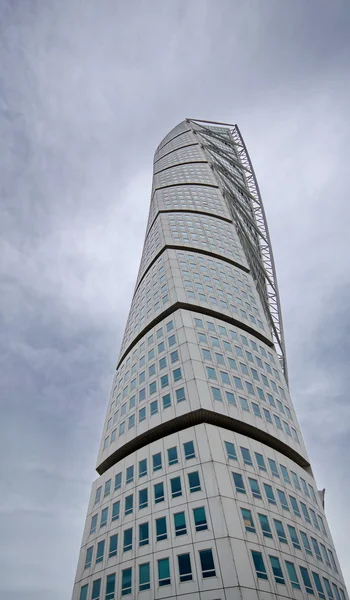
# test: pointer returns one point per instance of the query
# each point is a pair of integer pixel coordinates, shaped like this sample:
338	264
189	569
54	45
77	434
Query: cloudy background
87	90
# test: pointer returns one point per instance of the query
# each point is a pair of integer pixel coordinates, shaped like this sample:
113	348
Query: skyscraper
205	490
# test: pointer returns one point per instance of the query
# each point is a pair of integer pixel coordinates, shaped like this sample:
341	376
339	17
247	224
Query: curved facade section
205	489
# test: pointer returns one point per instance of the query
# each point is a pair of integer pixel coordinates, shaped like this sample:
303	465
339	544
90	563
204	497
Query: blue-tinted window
305	512
283	499
162	363
285	473
93	524
143	534
144	577
163	572
194	482
230	398
294	537
230	450
98	494
260	461
306	580
161	529
127	543
244	404
172	456
259	565
265	525
207	563
254	486
83	592
295	506
189	450
130	474
239	483
276	569
110	587
180	394
166	401
318	585
269	493
158	492
185	569
143	467
164	381
96	589
126	581
129	504
113	545
175	485
107	487
104	517
143	498
200	519
153	387
100	551
248	520
306	542
142	414
157	461
180	524
246	456
88	557
216	392
273	467
280	531
292	574
174	357
115	510
154	407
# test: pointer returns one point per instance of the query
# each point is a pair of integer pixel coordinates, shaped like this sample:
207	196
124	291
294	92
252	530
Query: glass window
276	569
292	574
158	492
285	474
180	524
230	398
295	506
335	591
269	493
193	481
96	589
216	392
113	545
248	520
83	592
260	461
129	504
306	542
143	534
175	485
273	467
110	587
107	487
328	588
306	580
98	494
162	363
143	498
259	565
185	570
177	375
316	549
246	456
161	529
127	544
164	381
115	510
230	450
283	499
180	394
164	572
200	519
154	407
142	415
244	403
305	512
93	524
189	450
239	483
157	461
104	517
280	531
174	357
172	456
294	537
254	486
325	555
265	525
100	551
166	401
88	557
143	467
126	581
318	585
144	577
207	563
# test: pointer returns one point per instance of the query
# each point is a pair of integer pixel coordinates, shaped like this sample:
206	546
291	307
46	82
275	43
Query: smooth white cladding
205	489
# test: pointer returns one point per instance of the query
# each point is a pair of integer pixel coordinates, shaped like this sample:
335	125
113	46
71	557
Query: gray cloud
87	90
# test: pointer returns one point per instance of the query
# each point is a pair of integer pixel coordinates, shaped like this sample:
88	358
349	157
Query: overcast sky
87	91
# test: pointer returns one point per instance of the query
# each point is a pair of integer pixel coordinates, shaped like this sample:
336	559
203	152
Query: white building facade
205	491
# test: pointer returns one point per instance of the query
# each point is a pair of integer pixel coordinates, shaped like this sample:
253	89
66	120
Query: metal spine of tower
205	490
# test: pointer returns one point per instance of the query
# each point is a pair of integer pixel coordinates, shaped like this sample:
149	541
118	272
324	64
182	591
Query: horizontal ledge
185	183
197	417
203	310
175	150
187	162
191	249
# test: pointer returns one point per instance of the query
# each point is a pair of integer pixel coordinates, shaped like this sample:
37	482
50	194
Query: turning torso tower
205	490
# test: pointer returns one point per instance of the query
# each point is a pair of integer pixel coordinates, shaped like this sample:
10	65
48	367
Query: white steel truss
229	159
